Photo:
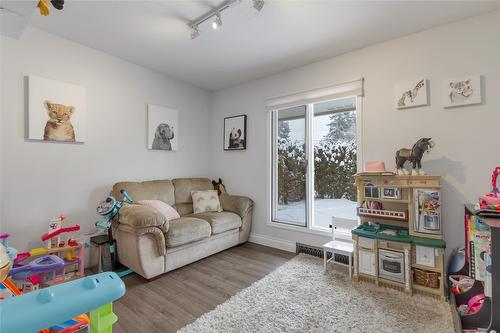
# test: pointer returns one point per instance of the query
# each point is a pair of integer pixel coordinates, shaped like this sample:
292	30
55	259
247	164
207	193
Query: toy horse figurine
219	186
413	155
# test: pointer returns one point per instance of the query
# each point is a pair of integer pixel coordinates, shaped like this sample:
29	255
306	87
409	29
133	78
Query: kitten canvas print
462	91
56	111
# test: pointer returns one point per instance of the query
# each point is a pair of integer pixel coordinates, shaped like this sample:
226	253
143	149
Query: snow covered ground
324	209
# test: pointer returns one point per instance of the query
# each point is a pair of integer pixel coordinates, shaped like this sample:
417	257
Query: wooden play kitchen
399	242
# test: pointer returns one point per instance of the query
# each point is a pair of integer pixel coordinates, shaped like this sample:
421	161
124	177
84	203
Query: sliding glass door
290	167
325	135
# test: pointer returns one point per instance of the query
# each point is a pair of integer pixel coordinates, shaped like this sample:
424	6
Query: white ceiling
284	35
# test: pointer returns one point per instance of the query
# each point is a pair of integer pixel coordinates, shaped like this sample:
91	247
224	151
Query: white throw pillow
167	210
205	201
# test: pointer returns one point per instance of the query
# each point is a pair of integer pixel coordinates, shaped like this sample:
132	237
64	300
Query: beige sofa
151	245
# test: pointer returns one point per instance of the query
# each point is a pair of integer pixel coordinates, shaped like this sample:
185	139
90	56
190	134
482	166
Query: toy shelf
426	268
401	201
424	289
64	248
488	316
384	214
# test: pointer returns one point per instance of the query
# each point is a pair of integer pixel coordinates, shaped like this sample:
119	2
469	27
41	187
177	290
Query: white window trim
309	204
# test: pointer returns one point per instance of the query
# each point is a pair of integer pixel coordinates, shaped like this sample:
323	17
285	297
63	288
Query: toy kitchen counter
395	234
389	256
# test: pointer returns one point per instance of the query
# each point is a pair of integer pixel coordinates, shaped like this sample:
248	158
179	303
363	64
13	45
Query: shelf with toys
474	270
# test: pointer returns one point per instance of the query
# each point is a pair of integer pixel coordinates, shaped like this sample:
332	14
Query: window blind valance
351	88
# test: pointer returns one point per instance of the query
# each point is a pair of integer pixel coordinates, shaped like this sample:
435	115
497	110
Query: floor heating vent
318	252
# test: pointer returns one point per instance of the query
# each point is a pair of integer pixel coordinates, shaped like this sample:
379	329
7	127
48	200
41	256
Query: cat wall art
462	91
56	111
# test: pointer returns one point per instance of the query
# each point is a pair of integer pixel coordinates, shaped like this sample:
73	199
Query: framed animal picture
235	133
163	128
411	93
462	91
56	111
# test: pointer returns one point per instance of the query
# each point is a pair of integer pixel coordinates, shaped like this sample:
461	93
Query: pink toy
60	231
375	166
475	303
492	199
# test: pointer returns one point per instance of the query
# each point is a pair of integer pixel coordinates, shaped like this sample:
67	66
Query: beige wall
41	180
467	137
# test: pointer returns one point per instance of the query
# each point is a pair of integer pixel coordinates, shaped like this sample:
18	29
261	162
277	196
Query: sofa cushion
183	188
168	211
186	230
205	201
149	190
220	222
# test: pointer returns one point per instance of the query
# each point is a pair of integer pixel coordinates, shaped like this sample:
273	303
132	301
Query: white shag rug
299	297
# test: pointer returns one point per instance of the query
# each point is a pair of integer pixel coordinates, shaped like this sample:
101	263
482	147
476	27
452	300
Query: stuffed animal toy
44	5
221	188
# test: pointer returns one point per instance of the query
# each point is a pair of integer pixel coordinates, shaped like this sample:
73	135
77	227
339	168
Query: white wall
42	180
467	138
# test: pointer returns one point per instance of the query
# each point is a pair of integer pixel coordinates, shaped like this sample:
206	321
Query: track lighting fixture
217	23
216	14
195	32
258	4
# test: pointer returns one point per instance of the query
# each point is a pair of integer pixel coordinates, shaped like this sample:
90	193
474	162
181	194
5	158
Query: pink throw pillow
167	210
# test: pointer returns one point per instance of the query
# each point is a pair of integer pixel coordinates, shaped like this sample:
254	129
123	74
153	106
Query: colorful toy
473	305
31	283
11	252
492	199
54	225
55	235
44	5
460	283
6	254
69	326
56	304
25	255
109	209
414	156
41	264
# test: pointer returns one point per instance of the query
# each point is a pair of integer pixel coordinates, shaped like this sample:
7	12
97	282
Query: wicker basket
426	278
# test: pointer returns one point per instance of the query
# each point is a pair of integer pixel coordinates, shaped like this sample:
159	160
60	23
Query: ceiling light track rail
216	14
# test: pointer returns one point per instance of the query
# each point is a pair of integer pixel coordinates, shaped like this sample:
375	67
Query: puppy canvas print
235	133
163	129
56	111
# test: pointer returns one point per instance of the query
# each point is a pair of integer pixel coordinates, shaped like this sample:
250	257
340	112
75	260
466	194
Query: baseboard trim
277	243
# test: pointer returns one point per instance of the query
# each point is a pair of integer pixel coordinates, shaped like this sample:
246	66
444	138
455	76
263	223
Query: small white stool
338	246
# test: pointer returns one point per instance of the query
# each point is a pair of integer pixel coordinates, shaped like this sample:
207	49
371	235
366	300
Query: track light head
217	23
258	4
195	31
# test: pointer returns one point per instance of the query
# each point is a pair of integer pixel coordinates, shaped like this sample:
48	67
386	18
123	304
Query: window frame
272	168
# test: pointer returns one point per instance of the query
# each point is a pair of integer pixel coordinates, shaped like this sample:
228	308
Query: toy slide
39	309
60	231
13	289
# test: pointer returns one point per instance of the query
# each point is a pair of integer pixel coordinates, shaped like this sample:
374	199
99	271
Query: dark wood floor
179	297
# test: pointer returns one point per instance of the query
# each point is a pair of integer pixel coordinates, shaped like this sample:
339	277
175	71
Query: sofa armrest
242	206
139	216
235	203
156	232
